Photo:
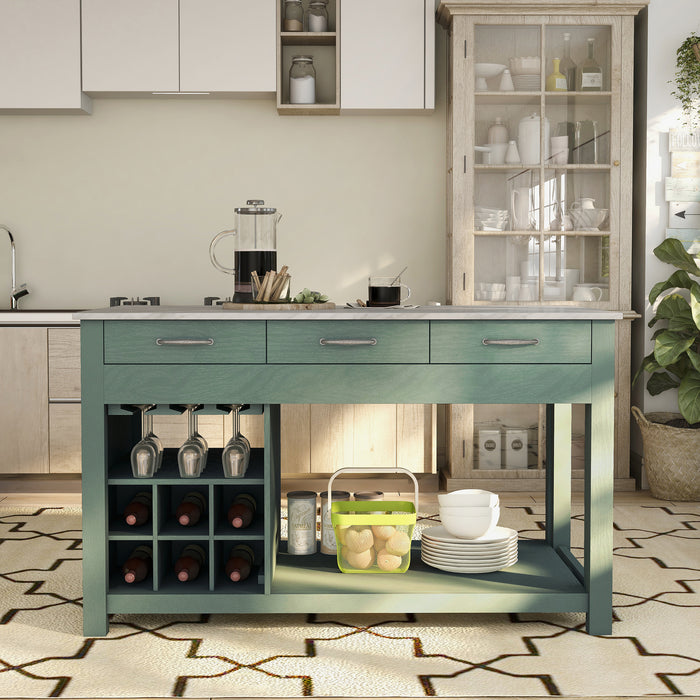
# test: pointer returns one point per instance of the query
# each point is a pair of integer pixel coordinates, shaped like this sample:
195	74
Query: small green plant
687	80
675	362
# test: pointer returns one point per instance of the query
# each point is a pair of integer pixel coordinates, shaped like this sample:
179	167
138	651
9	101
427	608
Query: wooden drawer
347	342
184	342
483	342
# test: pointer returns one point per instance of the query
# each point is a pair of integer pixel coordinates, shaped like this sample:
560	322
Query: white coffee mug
584	203
585	293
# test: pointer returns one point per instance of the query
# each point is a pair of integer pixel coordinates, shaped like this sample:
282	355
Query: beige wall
125	201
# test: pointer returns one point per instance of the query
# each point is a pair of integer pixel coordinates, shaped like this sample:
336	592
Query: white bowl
525	65
470	527
586	219
486	70
468	497
469	511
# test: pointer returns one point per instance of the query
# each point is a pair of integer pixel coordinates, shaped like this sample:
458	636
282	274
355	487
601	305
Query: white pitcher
520	209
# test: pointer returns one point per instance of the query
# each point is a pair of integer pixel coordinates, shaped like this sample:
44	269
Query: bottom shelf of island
540	581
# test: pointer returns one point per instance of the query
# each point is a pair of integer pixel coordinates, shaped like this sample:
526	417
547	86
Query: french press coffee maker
256	247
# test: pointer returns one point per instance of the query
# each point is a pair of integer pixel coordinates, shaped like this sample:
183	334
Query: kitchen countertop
38	317
431	313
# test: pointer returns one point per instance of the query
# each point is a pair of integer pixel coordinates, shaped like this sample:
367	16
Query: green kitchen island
174	356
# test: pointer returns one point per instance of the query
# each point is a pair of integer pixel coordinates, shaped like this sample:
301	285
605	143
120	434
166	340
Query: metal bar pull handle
348	341
184	341
511	342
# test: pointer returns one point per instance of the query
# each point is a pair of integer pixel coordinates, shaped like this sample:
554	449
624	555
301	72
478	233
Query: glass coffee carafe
255	247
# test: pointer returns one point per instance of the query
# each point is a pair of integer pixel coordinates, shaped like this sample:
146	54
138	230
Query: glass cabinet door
542	135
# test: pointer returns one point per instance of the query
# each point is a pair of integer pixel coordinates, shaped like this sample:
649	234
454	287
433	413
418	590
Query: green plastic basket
372	542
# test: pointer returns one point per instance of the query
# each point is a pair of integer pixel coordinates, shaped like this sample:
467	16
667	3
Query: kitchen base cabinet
547	576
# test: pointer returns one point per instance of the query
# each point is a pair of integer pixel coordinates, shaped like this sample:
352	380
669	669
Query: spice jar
302	81
293	16
301	522
317	16
328	545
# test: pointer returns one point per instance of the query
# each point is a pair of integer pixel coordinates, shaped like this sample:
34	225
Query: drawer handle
349	341
184	341
512	342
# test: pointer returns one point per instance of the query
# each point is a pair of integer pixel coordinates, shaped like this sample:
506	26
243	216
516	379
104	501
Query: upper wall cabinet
178	46
40	56
387	55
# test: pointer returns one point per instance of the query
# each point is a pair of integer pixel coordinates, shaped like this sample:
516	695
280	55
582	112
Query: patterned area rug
654	648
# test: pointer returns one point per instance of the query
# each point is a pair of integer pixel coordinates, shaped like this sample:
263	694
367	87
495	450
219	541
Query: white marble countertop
432	313
39	317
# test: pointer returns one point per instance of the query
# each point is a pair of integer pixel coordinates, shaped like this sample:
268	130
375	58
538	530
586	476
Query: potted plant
672	441
687	79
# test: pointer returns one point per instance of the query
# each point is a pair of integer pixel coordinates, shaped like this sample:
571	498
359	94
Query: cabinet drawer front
510	342
184	342
347	342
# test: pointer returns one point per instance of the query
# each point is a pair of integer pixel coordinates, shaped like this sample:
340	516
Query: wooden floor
66	492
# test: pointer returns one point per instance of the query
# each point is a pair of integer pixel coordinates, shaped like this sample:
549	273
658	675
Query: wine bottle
138	511
567	67
242	510
239	563
591	72
138	565
190	562
556	80
191	509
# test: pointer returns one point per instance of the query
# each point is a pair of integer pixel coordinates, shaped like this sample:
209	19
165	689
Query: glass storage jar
302	81
293	16
317	16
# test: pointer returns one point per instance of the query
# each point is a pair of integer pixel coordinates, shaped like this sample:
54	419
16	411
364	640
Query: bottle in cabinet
556	80
191	509
242	510
567	66
190	562
239	563
138	511
138	564
591	79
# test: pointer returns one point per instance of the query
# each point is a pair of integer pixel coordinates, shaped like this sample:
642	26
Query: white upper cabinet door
228	45
386	50
40	55
130	45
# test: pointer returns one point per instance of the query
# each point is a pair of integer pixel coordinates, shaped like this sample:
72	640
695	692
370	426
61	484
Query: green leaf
681	367
672	306
649	364
689	397
679	279
694	358
683	325
669	346
660	381
672	251
695	303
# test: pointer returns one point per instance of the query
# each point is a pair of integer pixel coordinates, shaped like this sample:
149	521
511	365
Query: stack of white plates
529	83
495	550
490	219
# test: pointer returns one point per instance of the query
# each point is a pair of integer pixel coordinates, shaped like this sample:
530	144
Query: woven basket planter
671	457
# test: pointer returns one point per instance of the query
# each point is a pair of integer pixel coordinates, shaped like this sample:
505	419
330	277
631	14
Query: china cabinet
40	55
539	213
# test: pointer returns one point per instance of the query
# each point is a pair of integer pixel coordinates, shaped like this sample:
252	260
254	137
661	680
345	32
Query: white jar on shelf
302	81
317	16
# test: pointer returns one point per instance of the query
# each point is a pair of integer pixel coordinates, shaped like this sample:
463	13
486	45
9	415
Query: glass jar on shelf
317	16
293	16
302	81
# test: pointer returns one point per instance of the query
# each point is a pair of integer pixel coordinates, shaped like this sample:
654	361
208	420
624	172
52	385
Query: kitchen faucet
17	292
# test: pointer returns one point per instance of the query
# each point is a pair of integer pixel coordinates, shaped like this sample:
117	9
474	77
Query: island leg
558	476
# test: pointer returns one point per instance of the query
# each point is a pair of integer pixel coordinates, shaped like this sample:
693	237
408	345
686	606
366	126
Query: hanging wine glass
152	436
191	457
236	454
144	454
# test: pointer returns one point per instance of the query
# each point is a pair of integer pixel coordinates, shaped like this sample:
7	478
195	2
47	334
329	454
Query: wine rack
163	533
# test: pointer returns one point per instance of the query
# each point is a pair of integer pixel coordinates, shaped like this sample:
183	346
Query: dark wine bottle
138	511
138	565
188	565
191	509
239	563
242	510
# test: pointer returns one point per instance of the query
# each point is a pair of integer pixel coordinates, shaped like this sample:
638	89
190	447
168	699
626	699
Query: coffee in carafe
255	236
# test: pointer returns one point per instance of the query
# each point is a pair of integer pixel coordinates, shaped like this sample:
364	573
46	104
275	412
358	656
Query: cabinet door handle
513	342
184	341
348	341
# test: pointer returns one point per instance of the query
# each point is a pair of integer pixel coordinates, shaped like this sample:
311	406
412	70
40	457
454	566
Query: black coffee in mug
384	295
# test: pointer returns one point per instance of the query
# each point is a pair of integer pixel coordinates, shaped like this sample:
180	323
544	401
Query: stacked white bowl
469	513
